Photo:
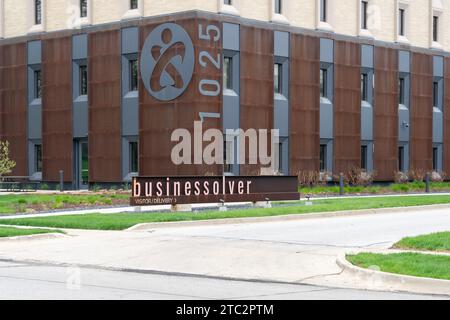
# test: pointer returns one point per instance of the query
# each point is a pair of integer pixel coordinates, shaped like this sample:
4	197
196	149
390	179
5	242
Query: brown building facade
101	103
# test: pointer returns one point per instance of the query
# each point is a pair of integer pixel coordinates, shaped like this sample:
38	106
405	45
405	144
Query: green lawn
431	242
412	264
6	232
127	220
44	202
378	189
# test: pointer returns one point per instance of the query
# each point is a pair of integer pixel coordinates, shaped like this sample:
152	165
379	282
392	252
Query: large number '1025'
209	87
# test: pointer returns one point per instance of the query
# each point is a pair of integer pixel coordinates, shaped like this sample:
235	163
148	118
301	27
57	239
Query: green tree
6	164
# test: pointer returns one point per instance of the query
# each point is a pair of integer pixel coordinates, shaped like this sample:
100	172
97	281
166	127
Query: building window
435	94
323	83
134	157
364	157
133	4
228	2
323	157
435	28
323	10
37	12
83	8
228	72
38	158
401	159
134	67
364	5
83	81
364	85
37	84
435	159
278	6
401	22
277	77
401	91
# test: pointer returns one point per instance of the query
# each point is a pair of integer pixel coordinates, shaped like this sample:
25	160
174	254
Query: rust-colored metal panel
158	119
305	104
446	164
57	108
421	113
257	88
386	113
347	106
13	104
104	74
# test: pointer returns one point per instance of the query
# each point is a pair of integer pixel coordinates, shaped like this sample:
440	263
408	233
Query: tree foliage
6	164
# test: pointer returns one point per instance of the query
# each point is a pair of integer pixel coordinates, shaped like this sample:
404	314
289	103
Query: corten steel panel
446	164
421	113
104	72
386	113
305	104
57	108
347	106
13	104
257	88
159	119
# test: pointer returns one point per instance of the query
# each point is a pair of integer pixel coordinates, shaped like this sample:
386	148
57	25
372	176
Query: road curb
42	236
394	282
282	218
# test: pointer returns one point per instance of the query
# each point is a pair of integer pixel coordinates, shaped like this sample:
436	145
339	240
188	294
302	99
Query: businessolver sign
147	191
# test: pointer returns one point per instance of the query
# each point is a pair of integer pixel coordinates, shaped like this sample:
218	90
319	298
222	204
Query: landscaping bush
357	177
401	177
438	176
417	174
309	178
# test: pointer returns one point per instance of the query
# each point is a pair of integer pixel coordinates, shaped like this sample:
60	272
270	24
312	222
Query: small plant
126	187
22	201
58	187
45	186
57	205
96	188
400	187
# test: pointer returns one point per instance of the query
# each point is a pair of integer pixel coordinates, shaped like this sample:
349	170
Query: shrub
308	178
438	176
358	177
417	174
45	186
401	177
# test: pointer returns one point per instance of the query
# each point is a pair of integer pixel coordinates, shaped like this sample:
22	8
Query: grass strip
126	220
411	264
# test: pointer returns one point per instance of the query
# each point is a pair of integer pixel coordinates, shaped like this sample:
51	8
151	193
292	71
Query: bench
18	184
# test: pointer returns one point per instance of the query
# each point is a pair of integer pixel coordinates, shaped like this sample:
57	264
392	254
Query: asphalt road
28	281
302	252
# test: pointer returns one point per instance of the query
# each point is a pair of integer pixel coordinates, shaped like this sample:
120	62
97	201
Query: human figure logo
167	62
